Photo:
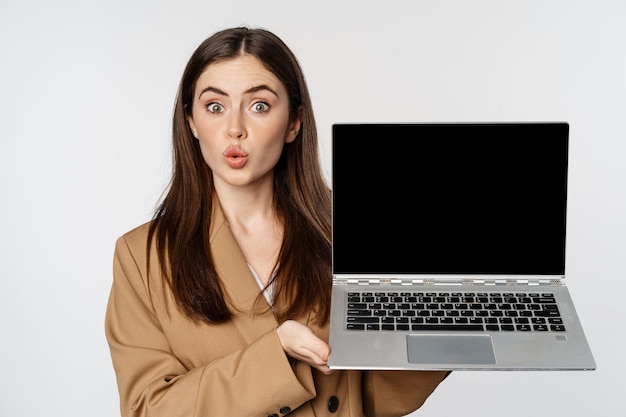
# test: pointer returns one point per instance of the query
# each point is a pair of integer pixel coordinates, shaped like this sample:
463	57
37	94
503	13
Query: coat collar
241	289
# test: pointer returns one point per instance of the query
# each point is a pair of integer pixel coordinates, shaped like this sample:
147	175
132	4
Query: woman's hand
300	343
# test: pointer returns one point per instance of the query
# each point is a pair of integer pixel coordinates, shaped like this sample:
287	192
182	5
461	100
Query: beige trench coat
169	366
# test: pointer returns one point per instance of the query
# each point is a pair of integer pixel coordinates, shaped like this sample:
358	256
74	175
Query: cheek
203	133
277	150
280	132
209	152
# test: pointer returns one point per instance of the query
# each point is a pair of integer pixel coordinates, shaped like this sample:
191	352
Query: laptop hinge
427	282
368	281
509	282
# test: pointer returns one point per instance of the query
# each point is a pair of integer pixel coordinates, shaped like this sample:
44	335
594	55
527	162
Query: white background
86	95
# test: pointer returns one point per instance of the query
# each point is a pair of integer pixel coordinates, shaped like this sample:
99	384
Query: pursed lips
235	156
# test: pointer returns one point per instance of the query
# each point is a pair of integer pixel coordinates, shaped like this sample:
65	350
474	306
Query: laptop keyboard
453	311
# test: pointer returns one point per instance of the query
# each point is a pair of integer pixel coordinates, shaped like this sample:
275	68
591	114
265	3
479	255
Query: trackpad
450	349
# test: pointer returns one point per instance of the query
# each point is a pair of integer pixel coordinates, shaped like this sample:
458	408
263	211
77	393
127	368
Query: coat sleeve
397	393
254	381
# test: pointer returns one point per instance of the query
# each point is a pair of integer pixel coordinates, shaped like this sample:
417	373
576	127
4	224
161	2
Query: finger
320	349
308	355
324	369
314	360
313	345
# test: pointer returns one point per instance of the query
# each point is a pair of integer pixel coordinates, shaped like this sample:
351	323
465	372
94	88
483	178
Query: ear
192	126
294	128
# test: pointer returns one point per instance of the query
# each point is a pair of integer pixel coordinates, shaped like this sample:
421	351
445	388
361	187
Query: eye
215	108
260	107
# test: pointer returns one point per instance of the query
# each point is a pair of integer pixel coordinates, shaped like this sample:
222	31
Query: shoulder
134	264
137	234
134	242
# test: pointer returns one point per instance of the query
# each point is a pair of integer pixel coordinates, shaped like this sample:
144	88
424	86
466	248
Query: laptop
449	248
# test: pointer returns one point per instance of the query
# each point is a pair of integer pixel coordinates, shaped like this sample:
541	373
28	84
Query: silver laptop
449	248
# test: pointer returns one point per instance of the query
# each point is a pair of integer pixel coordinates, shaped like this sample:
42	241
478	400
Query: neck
244	206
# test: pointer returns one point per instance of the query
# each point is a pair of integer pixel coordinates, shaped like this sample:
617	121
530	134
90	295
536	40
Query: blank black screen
464	198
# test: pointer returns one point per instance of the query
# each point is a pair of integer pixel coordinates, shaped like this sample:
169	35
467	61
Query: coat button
273	415
333	404
285	410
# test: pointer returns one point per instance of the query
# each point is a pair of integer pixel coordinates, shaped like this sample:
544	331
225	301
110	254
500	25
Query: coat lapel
239	284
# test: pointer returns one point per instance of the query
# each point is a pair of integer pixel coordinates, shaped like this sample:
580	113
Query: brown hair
301	195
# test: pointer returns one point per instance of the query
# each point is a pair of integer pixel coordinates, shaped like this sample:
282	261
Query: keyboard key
359	313
447	327
363	320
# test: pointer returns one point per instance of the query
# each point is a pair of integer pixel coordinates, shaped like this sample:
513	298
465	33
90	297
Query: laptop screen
449	198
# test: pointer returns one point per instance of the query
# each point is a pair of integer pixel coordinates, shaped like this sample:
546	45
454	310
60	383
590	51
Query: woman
220	304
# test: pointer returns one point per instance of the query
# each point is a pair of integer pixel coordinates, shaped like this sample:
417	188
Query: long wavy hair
302	198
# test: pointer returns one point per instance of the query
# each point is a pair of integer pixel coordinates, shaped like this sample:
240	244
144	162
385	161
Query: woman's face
240	116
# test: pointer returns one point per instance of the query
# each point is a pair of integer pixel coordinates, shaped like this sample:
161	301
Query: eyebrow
262	87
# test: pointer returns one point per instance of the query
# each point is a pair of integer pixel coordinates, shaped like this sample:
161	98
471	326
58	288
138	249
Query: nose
236	129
